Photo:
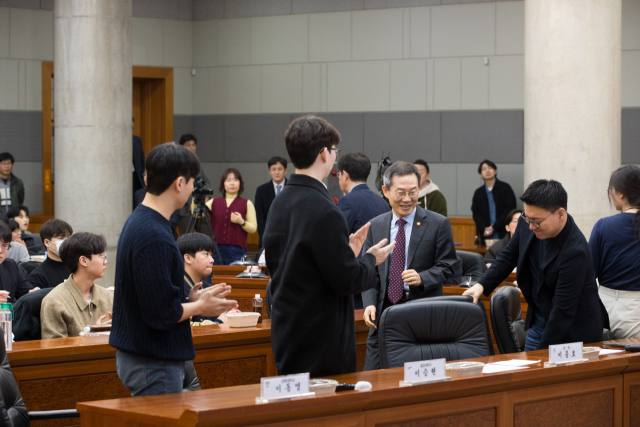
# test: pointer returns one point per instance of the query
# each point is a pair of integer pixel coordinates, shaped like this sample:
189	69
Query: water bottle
6	318
257	306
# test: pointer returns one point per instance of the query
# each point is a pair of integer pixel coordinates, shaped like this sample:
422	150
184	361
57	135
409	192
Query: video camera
200	191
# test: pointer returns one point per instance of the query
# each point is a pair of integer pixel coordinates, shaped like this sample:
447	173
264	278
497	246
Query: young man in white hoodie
430	196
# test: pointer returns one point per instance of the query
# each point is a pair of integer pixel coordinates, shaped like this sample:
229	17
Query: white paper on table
516	362
491	369
609	351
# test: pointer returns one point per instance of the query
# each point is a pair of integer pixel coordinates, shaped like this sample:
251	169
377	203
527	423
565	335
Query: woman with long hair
615	249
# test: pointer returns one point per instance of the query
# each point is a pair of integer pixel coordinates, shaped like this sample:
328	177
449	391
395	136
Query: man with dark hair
11	187
20	214
359	204
52	271
430	196
196	249
555	273
423	259
491	203
78	302
12	285
268	191
18	251
510	224
313	261
151	309
190	142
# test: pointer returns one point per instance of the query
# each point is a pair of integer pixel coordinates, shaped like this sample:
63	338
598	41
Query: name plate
285	387
424	372
565	354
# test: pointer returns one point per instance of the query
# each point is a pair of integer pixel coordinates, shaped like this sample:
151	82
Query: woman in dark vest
232	217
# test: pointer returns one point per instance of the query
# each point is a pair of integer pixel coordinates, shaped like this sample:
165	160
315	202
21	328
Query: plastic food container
95	337
243	320
490	242
322	386
462	369
590	352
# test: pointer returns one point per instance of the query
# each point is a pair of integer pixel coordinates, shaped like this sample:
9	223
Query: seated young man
53	271
196	249
12	285
20	214
78	302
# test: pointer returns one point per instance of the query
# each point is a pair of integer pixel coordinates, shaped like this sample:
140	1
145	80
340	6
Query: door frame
162	102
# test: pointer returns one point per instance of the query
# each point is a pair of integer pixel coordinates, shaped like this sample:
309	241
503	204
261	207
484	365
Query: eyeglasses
103	256
5	246
337	150
402	194
536	224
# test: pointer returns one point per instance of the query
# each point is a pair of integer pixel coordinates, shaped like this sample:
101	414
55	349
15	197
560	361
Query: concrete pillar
92	113
572	100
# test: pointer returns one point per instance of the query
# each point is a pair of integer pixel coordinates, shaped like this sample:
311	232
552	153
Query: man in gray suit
422	260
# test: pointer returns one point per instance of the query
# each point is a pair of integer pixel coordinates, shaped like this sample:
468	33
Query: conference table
601	392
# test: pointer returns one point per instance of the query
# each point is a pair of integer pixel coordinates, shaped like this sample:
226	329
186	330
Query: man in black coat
266	193
313	261
555	272
491	203
138	166
12	284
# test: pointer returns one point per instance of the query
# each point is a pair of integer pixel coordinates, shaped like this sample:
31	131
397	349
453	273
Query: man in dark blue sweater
151	308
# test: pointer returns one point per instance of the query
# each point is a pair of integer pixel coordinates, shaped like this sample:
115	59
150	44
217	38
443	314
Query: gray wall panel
254	137
31	175
630	135
471	136
383	4
408	135
21	134
210	133
314	6
444	176
246	8
182	124
204	10
351	128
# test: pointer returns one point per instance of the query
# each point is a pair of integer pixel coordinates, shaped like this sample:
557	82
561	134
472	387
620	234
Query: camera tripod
200	213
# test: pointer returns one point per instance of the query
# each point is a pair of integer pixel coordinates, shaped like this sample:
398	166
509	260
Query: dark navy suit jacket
360	206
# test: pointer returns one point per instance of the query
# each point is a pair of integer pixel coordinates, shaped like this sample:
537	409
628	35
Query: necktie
397	265
278	188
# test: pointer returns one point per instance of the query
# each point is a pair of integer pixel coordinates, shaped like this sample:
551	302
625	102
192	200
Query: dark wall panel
408	135
351	128
471	136
21	135
210	133
631	135
254	137
182	124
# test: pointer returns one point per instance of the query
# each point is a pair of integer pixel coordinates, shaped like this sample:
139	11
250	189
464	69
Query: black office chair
432	328
472	265
13	412
26	321
506	320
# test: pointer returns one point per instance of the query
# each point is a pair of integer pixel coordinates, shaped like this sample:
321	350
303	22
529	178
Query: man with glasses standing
313	261
422	260
555	273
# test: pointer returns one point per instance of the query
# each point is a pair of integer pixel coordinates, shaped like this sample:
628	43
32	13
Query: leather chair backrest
506	320
432	328
13	412
190	382
26	322
472	264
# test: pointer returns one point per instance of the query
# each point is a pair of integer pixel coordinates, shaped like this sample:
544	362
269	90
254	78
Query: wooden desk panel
589	394
232	270
59	373
244	290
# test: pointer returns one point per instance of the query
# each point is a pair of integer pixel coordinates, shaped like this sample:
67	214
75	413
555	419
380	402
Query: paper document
609	351
516	362
492	369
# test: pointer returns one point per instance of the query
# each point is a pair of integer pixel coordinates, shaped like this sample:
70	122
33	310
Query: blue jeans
230	253
533	338
146	376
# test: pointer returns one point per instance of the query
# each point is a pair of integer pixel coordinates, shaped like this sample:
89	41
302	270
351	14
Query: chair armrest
53	415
